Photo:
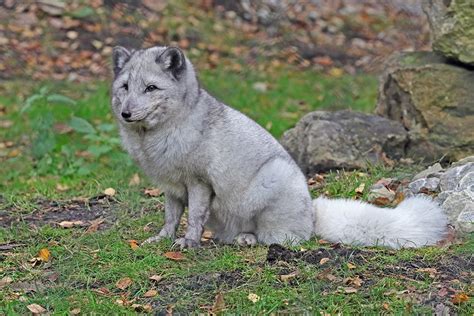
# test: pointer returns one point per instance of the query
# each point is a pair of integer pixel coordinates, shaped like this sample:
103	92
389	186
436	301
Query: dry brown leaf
36	309
153	192
254	298
70	224
5	280
110	191
288	277
399	197
360	189
174	255
103	291
124	283
44	255
355	281
351	265
323	261
62	187
133	244
459	298
156	278
386	306
380	201
75	311
94	225
134	180
150	293
142	308
431	271
206	235
219	304
350	290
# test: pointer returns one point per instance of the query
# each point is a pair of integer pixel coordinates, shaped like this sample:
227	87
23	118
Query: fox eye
151	88
125	86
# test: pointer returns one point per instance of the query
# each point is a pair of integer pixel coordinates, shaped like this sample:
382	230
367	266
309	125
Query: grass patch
64	149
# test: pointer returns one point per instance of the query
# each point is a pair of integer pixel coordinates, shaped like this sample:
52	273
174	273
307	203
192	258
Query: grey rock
424	184
459	207
453	176
452	28
432	170
379	190
434	100
324	140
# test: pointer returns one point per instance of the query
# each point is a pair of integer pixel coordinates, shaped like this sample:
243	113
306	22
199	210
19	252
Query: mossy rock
452	27
434	100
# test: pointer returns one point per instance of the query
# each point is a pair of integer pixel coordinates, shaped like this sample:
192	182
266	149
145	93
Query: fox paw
246	239
186	243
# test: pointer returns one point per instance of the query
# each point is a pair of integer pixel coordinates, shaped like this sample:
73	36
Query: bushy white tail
415	222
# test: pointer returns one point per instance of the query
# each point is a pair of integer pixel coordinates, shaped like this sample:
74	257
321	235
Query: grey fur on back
234	176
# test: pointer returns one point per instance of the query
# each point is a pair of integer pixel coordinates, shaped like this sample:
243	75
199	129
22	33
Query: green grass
89	159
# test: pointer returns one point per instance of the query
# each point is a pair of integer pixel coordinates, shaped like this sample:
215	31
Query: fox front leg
173	211
199	196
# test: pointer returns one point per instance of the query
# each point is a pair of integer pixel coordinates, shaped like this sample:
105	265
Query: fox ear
120	57
172	60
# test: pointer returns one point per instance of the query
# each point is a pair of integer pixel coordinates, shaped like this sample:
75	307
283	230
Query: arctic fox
235	178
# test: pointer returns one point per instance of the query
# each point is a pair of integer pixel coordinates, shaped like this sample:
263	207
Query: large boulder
324	140
434	100
452	28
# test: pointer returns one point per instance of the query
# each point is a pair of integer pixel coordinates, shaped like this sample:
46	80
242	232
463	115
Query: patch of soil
196	287
448	276
54	212
337	254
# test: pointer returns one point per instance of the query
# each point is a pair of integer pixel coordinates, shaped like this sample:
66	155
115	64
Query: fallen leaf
350	290
459	298
70	224
124	283
355	281
94	225
36	309
380	201
174	255
152	192
44	255
351	265
134	180
103	291
6	124
254	298
323	261
62	187
109	191
133	244
206	235
150	293
5	280
142	308
75	311
431	271
386	306
156	278
219	304
360	189
288	277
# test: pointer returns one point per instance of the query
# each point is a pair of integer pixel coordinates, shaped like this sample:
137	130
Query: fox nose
126	114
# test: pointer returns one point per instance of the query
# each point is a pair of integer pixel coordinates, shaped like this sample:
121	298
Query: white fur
235	178
415	222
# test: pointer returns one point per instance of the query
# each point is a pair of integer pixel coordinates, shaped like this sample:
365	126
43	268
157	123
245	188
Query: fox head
152	87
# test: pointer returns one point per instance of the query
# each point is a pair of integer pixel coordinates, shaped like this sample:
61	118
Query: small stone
436	168
451	178
424	184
